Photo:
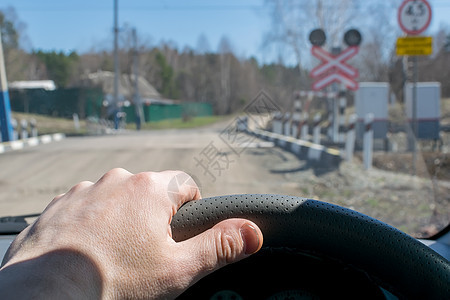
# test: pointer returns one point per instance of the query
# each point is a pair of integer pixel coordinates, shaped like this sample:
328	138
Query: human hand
112	239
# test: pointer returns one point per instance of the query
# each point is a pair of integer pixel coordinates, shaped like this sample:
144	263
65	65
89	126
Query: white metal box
428	108
372	97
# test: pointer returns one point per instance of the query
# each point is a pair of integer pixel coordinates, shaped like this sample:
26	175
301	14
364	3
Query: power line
159	8
154	8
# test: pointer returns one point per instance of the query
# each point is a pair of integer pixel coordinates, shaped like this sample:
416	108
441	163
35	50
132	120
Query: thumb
228	241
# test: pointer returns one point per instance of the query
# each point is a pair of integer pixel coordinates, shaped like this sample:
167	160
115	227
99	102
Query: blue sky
82	24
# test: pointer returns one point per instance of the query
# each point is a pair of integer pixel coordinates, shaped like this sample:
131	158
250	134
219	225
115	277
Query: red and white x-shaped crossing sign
334	68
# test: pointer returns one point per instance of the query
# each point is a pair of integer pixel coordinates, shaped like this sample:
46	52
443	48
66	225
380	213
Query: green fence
58	103
88	102
158	112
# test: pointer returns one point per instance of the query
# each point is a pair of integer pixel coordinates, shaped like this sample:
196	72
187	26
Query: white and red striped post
23	129
368	141
15	126
287	124
296	119
316	128
341	121
305	127
277	123
33	128
330	126
351	136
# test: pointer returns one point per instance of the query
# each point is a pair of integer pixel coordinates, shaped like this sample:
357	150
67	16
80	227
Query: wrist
62	274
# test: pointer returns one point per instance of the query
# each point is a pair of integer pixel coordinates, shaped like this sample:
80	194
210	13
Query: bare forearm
60	274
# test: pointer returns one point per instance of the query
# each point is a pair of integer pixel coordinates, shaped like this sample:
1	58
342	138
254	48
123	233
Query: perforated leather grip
396	259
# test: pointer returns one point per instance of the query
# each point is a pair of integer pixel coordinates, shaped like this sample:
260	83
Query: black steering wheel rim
395	258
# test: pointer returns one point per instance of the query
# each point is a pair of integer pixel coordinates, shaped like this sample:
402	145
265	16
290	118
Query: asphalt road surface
32	177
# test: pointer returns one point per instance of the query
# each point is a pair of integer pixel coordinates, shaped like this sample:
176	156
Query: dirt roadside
419	206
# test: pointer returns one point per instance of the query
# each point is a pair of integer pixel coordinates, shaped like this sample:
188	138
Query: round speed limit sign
414	16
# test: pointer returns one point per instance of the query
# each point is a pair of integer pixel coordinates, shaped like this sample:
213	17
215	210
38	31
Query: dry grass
46	124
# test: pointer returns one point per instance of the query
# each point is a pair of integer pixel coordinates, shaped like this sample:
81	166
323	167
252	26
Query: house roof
105	79
48	85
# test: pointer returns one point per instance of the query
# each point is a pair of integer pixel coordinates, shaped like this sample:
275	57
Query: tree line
220	77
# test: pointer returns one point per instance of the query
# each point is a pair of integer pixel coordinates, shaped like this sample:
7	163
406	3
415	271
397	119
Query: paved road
31	177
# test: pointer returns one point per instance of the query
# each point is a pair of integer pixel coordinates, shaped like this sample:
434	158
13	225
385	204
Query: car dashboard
312	250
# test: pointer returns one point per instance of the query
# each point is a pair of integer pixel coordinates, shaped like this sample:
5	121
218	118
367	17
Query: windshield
345	101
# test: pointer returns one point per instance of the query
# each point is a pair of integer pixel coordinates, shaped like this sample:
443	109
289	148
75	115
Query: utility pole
6	133
136	97
414	114
116	66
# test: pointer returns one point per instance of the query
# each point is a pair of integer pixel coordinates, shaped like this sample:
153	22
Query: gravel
417	205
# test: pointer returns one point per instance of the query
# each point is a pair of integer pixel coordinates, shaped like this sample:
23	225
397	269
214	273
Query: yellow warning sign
414	45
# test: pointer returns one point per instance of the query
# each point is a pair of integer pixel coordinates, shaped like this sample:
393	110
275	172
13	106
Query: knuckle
77	188
172	172
57	198
113	175
183	185
228	247
144	178
116	172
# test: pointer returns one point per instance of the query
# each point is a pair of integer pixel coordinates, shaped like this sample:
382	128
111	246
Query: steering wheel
313	248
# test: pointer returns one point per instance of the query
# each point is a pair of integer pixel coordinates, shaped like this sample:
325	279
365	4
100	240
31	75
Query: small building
154	106
48	85
105	80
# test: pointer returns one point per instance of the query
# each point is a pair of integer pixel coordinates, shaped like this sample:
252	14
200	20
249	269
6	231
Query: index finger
181	188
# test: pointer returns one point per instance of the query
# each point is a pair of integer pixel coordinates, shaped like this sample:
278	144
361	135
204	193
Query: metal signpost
333	68
414	17
6	130
116	101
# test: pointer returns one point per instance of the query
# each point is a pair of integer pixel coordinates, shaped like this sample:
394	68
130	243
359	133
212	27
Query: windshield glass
345	101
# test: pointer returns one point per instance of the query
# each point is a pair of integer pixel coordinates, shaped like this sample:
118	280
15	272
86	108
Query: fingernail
250	238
